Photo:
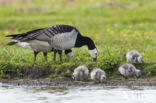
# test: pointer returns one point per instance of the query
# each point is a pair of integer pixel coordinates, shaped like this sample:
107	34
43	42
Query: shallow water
23	94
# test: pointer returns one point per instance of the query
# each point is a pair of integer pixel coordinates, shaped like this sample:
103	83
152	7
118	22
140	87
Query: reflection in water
76	95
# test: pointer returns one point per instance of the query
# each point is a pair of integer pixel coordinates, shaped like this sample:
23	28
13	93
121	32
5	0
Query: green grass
116	26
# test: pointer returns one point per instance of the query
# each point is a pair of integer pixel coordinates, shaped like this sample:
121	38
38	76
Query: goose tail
16	36
12	43
12	35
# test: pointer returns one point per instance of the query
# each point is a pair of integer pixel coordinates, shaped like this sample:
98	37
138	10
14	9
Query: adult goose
37	46
59	37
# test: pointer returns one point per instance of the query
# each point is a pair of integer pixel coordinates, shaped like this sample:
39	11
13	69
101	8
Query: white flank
24	45
36	45
93	53
70	54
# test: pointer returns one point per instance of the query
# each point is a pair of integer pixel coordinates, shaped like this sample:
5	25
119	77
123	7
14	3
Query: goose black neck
83	40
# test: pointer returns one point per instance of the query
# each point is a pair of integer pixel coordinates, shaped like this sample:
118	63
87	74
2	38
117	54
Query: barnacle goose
59	37
37	46
98	75
81	72
134	56
128	70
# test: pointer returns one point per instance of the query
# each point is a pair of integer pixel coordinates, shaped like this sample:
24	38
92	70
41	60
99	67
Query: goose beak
95	59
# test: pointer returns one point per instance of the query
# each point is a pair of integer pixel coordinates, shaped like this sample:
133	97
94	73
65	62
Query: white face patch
93	53
70	54
36	45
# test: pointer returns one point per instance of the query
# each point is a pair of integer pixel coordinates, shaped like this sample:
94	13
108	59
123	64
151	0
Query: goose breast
64	40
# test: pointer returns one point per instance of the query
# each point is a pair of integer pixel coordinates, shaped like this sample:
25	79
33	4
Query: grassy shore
116	26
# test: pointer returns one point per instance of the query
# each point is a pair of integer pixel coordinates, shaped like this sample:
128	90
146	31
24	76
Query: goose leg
35	55
45	55
60	54
54	58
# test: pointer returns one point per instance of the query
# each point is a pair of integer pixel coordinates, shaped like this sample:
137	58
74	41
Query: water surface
23	94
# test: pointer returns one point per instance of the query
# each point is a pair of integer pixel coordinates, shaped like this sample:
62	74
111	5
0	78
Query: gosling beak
95	59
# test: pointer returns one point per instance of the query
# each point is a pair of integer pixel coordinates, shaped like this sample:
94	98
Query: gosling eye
133	58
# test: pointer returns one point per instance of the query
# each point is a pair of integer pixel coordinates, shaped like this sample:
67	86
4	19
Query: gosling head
102	78
93	53
137	59
140	59
75	76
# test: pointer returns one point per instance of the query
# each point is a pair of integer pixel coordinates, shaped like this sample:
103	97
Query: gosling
98	75
80	73
134	56
128	70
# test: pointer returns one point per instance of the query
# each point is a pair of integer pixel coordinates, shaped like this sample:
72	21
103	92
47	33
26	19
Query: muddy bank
69	82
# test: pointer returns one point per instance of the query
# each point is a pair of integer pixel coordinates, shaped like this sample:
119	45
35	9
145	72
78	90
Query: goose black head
69	53
93	53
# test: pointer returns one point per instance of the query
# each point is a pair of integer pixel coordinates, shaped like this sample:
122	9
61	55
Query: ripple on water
10	94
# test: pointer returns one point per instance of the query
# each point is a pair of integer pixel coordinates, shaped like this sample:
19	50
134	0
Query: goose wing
30	35
49	32
43	34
